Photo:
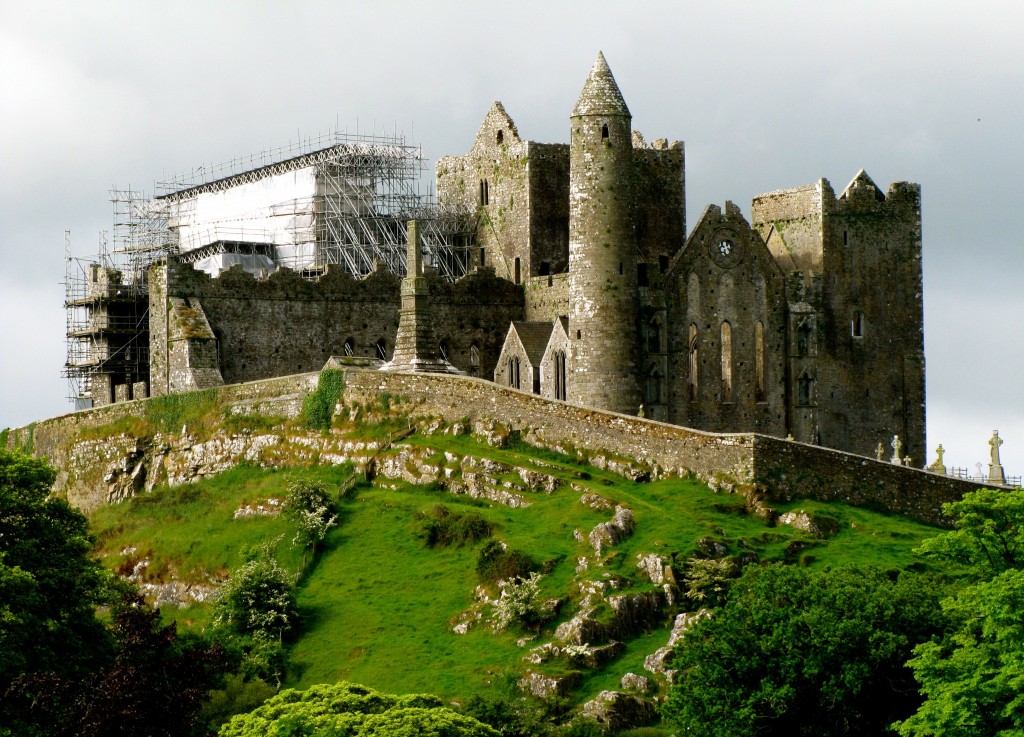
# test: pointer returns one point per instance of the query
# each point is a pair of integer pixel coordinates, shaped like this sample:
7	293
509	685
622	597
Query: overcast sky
765	95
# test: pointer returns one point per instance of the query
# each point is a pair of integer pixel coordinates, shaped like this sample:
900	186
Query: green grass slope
379	604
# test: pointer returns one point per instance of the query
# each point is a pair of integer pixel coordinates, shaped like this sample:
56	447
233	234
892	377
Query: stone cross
938	466
996	475
879	452
897	447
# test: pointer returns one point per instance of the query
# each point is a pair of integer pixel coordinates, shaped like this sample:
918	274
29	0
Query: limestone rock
634	682
581	629
620	711
596	501
658	661
656	568
612	533
546	686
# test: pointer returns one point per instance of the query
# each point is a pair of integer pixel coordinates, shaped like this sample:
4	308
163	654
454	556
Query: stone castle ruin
562	270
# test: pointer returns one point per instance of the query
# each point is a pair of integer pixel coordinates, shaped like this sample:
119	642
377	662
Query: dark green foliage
973	677
240	694
510	717
498	563
442	527
349	709
49	586
794	652
153	686
318	407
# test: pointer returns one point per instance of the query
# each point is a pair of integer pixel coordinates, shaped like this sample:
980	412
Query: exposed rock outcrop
620	711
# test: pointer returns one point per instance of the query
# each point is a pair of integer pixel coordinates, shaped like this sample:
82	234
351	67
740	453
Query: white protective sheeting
277	209
255	264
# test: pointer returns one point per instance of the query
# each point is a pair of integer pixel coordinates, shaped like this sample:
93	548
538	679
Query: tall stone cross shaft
416	345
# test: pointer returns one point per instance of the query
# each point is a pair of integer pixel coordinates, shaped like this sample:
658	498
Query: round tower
602	249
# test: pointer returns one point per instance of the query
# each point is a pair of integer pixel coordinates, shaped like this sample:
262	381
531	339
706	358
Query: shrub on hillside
259	598
498	563
309	507
441	527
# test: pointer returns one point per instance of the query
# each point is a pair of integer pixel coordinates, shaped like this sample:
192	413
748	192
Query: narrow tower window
803	339
604	132
804	389
518	274
694	362
654	336
382	350
350	347
485	194
655	389
857	324
759	378
501	136
726	362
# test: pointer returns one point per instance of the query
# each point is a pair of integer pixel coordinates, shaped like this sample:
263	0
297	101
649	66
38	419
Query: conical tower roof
600	94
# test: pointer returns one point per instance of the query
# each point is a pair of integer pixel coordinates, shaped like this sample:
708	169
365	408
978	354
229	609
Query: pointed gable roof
497	119
534	338
862	186
600	94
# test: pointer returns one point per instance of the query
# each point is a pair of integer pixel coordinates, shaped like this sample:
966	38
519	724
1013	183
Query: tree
258	598
49	586
973	679
799	653
356	711
154	686
309	506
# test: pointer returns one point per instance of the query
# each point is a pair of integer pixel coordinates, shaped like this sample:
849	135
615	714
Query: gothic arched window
759	363
694	378
726	362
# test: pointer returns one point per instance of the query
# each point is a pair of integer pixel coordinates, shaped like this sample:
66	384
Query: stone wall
108	453
102	456
547	297
787	470
284	325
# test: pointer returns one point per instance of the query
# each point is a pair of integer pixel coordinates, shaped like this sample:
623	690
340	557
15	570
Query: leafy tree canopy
988	534
799	653
356	711
153	686
974	678
49	585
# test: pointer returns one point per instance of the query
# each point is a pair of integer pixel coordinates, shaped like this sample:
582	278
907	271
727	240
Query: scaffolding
346	202
107	326
336	200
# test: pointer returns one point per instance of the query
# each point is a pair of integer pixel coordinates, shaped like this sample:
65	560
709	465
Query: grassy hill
379	605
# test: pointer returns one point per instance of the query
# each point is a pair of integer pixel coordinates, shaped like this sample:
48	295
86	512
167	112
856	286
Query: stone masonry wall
547	297
95	469
286	325
786	470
